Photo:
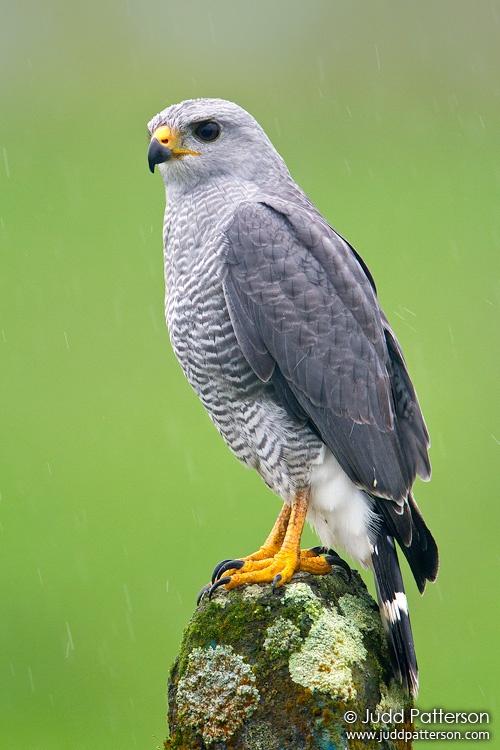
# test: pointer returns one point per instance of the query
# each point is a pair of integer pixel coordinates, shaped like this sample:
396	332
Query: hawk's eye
208	130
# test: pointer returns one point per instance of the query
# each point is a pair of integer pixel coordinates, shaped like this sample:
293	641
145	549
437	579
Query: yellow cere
170	138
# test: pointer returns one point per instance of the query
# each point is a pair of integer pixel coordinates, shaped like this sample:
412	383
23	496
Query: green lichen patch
216	693
393	698
325	661
303	598
254	591
360	610
282	637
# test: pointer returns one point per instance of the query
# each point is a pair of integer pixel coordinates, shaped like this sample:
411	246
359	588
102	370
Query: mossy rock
264	671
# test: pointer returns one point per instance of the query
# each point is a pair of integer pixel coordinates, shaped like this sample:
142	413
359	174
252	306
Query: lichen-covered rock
264	671
216	692
325	660
282	637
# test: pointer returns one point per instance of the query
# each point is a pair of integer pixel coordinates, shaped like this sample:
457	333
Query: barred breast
246	411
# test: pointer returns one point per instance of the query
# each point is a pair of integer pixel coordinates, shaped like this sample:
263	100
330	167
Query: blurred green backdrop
117	494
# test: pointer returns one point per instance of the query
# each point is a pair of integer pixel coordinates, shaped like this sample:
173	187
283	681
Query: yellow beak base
168	146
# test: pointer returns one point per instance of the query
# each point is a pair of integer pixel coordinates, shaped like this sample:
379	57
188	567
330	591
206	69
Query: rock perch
264	671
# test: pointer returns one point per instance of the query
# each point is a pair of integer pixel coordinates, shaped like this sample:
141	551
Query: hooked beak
158	153
164	147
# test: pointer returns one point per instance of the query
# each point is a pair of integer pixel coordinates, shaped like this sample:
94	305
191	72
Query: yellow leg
275	539
280	556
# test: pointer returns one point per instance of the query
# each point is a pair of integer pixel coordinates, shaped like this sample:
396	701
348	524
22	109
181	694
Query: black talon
337	562
215	586
216	569
277	578
320	550
228	565
202	593
323	551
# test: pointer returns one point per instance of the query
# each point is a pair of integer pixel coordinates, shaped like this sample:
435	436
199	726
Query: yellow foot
277	569
279	557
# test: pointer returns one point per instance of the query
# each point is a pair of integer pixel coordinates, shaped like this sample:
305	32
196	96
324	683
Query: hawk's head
204	138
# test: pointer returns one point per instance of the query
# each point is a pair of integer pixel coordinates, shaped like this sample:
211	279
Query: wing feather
305	312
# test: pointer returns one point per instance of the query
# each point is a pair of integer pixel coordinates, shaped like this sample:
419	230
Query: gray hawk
275	321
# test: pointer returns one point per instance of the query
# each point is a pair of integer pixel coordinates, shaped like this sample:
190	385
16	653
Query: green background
117	494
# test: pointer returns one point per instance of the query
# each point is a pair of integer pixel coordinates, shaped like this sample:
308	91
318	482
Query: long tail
394	610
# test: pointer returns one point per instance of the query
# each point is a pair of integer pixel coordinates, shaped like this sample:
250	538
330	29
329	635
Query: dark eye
208	130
